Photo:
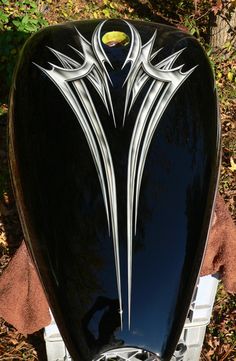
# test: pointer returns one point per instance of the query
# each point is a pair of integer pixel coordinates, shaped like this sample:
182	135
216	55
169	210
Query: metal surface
127	354
114	154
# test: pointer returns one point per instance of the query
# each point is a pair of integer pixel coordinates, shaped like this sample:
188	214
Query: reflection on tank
108	324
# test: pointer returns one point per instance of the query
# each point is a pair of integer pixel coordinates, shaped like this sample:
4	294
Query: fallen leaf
233	165
217	7
230	76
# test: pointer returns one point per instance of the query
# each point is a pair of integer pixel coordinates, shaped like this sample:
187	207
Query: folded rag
220	255
24	305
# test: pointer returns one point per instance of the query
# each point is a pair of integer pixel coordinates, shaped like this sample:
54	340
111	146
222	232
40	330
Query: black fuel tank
114	152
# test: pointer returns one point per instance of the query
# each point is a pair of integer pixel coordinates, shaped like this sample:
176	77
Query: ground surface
220	340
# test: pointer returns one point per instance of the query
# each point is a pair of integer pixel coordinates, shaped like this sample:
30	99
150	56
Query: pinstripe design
165	82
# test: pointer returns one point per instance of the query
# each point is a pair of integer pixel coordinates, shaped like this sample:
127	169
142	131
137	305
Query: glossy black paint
61	205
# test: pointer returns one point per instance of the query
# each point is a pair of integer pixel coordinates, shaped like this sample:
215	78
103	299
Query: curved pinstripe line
88	104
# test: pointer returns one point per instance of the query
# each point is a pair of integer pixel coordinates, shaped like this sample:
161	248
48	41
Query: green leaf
113	38
43	22
25	19
209	52
33	5
17	23
30	28
3	17
107	13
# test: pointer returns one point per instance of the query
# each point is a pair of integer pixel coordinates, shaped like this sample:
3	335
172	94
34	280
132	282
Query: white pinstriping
166	80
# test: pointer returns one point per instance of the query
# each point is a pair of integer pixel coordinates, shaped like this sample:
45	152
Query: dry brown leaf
232	165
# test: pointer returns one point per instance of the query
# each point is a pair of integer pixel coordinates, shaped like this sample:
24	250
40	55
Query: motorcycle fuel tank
114	154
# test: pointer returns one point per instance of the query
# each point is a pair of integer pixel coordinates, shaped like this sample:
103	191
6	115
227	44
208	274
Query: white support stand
191	340
55	347
199	317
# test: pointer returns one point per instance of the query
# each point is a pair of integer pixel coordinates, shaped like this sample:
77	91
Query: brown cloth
24	305
220	254
22	300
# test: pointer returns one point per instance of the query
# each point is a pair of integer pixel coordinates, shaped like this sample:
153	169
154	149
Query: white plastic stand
199	317
191	340
55	347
